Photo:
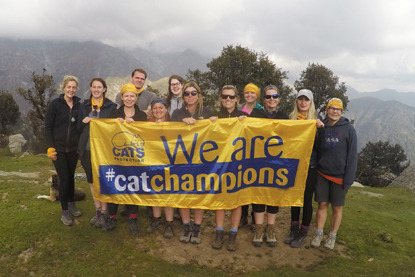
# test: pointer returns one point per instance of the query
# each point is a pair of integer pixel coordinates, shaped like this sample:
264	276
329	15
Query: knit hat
158	100
335	102
252	88
305	92
128	87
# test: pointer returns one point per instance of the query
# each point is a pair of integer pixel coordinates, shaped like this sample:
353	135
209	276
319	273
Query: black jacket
138	116
61	130
107	107
262	113
223	113
179	114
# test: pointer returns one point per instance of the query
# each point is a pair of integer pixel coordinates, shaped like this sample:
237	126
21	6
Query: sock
113	216
186	224
305	228
319	231
295	223
133	215
333	235
219	228
234	230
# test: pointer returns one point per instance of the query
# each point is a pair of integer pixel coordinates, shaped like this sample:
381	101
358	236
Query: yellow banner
209	165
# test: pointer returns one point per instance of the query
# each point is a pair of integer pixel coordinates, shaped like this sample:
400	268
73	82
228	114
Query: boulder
16	143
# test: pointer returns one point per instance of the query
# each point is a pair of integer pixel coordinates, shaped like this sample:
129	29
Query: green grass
377	233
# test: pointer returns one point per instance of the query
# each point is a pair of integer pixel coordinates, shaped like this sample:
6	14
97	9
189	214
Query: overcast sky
370	45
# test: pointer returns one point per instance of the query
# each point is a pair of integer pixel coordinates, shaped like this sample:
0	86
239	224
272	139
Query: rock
406	179
16	143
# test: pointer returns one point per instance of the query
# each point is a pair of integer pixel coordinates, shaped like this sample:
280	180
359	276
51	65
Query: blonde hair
312	114
199	105
67	79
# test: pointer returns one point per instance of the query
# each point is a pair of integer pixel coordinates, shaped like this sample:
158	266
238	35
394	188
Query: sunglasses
225	96
94	112
187	93
275	96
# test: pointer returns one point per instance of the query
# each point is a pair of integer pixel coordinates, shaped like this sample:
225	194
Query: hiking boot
253	224
232	241
124	211
300	239
110	225
155	224
168	231
95	218
330	242
74	210
258	235
195	234
317	240
102	221
293	234
218	242
187	233
243	222
270	235
134	228
66	218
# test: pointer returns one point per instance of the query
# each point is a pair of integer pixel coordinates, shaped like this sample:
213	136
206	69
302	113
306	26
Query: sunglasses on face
275	96
187	93
225	96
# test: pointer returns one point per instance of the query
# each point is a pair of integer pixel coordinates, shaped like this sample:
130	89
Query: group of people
331	170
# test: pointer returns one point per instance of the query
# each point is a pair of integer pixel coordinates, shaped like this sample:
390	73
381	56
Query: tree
380	163
239	66
39	96
324	85
9	112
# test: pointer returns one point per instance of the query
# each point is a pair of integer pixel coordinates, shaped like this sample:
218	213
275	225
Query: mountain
407	98
390	121
19	58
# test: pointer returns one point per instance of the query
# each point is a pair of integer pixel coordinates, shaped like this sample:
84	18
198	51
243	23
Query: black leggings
65	166
113	209
308	200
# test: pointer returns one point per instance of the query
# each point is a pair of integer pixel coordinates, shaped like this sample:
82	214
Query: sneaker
270	235
243	222
258	235
155	224
195	234
110	225
300	239
187	233
293	234
66	218
317	240
74	210
124	211
102	221
218	242
168	231
330	242
95	218
134	228
232	241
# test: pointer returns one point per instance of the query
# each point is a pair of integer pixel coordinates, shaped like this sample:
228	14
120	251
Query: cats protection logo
128	147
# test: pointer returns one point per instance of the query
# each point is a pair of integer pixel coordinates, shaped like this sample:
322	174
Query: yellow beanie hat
252	88
335	102
128	87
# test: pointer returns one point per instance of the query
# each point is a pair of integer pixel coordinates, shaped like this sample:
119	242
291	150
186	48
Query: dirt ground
246	258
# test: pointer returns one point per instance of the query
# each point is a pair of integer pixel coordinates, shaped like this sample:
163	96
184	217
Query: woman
268	111
337	163
174	98
97	106
62	137
251	95
128	112
228	98
191	111
304	109
160	114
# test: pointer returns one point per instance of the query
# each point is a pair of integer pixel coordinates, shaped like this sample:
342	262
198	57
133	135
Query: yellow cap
335	102
129	87
252	88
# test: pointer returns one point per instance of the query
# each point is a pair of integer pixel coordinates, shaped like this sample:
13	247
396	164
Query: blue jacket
337	151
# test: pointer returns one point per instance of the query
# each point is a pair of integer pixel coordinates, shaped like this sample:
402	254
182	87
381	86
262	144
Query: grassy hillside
376	236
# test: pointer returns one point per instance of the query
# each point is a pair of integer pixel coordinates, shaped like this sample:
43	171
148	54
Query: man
145	97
